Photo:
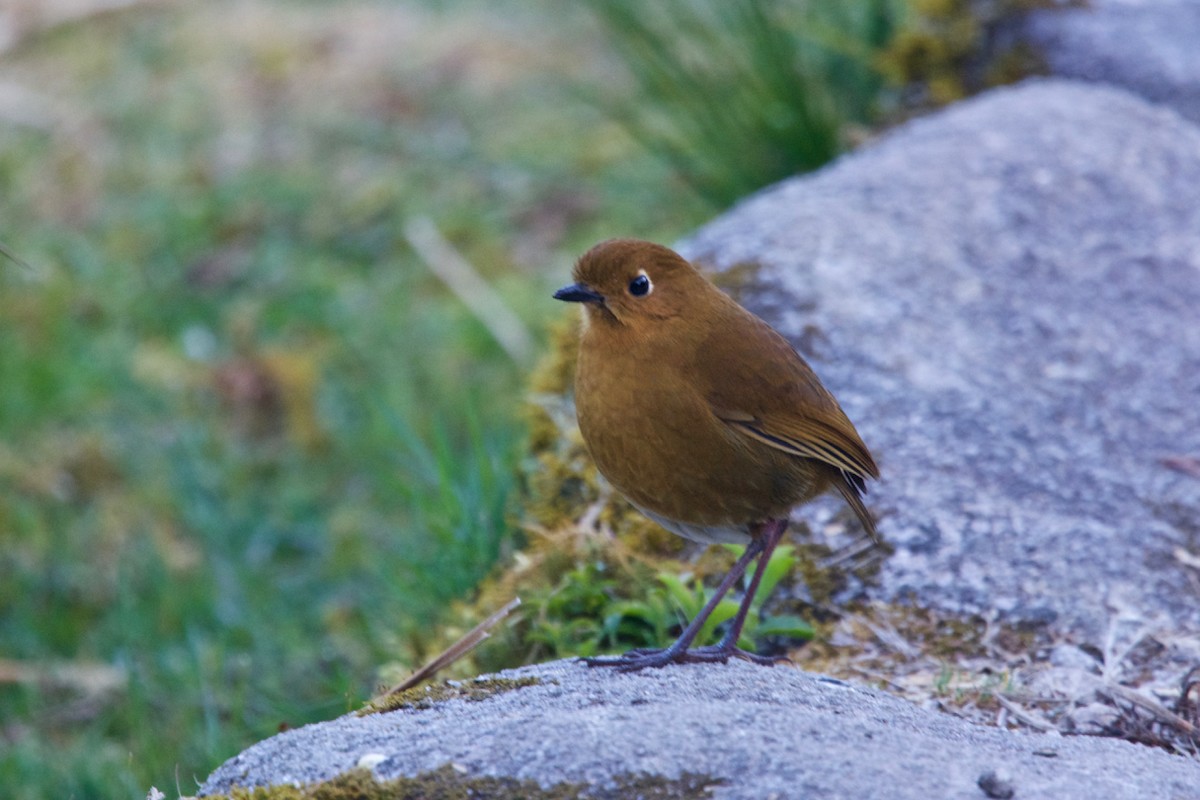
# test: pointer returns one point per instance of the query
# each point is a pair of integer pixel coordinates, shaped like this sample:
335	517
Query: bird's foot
645	658
641	658
722	653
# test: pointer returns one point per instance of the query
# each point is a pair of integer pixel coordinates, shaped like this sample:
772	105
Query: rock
1008	301
1151	47
997	784
1005	297
763	731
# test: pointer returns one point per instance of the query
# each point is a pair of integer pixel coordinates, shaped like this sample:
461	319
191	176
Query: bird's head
633	283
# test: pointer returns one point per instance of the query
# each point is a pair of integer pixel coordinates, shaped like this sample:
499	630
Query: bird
705	418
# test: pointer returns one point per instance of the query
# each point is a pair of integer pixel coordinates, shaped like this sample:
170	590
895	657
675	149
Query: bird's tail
852	490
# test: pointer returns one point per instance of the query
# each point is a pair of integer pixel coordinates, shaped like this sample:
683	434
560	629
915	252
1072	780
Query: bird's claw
645	658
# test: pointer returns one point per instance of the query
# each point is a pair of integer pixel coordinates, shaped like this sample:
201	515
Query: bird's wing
757	384
821	439
832	441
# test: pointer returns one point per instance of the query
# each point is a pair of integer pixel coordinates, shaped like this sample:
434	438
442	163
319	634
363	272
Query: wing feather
785	406
810	438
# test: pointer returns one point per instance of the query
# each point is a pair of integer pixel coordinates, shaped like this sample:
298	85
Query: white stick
461	278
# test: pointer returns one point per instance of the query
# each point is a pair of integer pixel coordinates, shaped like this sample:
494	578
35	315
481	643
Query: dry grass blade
13	257
88	677
1024	716
1185	706
477	294
889	637
1160	712
1186	558
454	652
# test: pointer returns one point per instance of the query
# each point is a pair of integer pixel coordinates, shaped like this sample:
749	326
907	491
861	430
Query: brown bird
704	417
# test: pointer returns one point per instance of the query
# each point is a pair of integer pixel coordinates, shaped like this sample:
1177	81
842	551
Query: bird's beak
579	293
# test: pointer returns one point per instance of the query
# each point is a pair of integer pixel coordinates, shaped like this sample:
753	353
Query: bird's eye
640	286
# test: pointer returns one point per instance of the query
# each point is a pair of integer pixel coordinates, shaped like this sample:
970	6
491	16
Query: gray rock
766	731
1006	299
1009	297
1151	47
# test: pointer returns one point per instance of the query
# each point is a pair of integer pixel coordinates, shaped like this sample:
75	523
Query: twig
850	551
1184	706
461	278
879	676
891	638
88	677
1024	716
13	257
1161	712
457	650
1186	558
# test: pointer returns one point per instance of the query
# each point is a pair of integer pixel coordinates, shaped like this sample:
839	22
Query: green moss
448	783
947	50
1016	64
822	583
656	787
426	696
737	278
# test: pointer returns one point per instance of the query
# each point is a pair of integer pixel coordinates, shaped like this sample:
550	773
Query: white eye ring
641	285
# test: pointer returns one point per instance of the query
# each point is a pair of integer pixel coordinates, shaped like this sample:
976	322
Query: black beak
579	293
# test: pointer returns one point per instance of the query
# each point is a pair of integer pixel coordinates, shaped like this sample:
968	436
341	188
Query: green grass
249	445
737	94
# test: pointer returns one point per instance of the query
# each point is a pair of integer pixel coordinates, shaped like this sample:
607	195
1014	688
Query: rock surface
768	732
1147	46
1008	301
1005	297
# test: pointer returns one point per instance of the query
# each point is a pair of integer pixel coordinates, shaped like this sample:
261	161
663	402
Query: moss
656	787
822	583
449	783
551	383
950	49
560	575
1015	64
426	696
737	280
555	374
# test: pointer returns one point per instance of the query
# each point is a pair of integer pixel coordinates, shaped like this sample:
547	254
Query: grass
742	93
249	444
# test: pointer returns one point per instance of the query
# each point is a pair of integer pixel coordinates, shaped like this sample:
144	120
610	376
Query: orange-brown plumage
699	412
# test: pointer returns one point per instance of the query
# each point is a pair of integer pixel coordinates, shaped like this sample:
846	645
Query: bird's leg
640	659
735	573
772	534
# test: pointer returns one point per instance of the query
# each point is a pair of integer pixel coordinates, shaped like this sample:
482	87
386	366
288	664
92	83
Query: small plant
591	611
691	599
569	618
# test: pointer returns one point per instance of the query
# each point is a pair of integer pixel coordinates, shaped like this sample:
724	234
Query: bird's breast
653	435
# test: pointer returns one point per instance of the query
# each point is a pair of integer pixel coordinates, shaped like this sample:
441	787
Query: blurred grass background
249	443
